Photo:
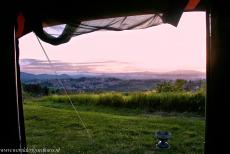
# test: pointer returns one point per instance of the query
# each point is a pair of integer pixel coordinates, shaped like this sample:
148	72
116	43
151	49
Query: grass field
54	124
149	101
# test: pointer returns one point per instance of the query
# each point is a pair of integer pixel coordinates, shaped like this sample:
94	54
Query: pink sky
160	48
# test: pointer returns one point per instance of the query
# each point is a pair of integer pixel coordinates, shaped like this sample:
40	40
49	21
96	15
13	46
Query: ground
110	129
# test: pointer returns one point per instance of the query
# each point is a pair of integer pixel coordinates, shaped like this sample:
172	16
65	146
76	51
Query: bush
35	89
151	101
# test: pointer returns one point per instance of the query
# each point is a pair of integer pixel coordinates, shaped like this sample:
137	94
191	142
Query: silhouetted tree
179	85
35	89
166	86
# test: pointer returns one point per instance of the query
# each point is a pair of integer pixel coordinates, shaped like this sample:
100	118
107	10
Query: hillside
124	82
173	75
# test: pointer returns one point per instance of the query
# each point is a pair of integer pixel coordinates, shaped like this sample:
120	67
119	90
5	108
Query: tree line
178	85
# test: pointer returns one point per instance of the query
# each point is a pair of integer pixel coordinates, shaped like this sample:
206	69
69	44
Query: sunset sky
157	49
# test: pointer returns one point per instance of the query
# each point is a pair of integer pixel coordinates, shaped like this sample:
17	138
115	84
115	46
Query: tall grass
151	101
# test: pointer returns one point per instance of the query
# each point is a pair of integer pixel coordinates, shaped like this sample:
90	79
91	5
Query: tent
24	16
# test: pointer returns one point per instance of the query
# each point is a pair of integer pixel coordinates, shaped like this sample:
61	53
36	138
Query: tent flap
98	15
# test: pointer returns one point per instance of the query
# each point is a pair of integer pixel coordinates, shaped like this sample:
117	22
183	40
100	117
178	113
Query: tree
179	85
166	86
35	89
169	86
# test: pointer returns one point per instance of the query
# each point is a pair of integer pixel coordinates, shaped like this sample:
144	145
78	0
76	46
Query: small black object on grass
163	137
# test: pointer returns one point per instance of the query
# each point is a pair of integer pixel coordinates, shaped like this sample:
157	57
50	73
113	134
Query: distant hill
173	75
29	77
125	82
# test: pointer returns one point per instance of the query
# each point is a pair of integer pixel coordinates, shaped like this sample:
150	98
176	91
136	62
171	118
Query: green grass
151	101
54	124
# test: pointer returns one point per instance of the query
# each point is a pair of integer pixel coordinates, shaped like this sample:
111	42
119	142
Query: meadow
116	122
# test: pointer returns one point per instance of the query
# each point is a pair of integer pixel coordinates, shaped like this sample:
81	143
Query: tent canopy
89	16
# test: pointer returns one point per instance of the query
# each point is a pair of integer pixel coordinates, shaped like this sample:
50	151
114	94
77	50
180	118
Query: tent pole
20	103
11	134
218	80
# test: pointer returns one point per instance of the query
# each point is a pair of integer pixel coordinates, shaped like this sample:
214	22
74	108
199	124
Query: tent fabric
54	36
120	23
122	15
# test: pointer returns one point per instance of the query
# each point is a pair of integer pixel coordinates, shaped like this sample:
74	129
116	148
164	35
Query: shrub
151	101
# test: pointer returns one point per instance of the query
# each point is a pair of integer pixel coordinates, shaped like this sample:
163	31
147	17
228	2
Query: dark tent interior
24	16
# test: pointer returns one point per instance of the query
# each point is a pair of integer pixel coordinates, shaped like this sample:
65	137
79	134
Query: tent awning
89	16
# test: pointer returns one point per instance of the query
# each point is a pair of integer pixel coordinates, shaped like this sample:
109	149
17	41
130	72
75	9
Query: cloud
41	66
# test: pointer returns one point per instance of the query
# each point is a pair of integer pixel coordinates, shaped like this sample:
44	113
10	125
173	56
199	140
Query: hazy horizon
162	48
45	69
